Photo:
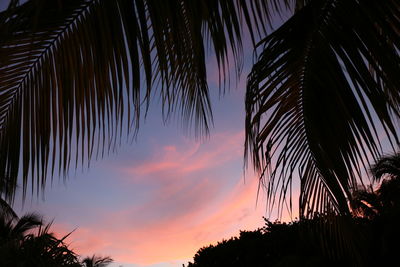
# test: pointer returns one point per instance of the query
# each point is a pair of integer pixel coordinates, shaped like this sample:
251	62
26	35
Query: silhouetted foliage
372	234
385	204
249	248
96	261
277	244
27	242
81	69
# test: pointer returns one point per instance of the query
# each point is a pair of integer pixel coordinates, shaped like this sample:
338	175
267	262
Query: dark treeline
370	235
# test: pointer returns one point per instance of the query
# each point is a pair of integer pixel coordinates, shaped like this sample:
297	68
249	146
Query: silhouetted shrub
368	238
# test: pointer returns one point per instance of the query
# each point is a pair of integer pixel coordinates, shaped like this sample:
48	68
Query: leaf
323	85
75	73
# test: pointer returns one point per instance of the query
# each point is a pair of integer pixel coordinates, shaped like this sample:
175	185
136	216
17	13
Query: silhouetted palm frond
26	223
97	261
6	210
20	245
74	72
322	86
15	229
387	165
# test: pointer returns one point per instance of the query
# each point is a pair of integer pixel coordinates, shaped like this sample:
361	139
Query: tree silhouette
96	261
43	249
387	166
366	203
384	201
26	242
276	244
15	229
386	170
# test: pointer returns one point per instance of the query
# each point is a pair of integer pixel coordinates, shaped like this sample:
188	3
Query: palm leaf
74	72
97	261
26	223
386	165
323	85
6	211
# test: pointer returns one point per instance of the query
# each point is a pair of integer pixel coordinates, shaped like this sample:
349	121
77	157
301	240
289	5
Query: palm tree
388	167
384	201
322	85
382	208
43	249
26	242
96	261
15	229
365	203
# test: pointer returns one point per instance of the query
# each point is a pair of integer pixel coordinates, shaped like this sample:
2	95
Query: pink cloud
149	242
193	156
183	236
194	202
82	240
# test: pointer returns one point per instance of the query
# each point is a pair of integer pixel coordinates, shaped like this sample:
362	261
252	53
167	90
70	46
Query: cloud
191	157
172	238
194	200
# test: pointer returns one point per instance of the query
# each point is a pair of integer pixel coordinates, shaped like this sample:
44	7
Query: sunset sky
163	194
157	200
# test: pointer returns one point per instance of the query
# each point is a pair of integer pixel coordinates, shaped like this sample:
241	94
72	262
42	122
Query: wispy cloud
159	240
191	157
194	201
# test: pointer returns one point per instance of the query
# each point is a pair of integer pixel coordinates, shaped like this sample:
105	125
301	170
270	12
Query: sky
157	200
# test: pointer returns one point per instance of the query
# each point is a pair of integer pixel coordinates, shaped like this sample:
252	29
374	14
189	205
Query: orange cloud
171	238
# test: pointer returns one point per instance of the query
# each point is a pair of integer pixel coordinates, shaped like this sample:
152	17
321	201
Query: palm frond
26	223
73	72
386	165
6	211
97	261
324	84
